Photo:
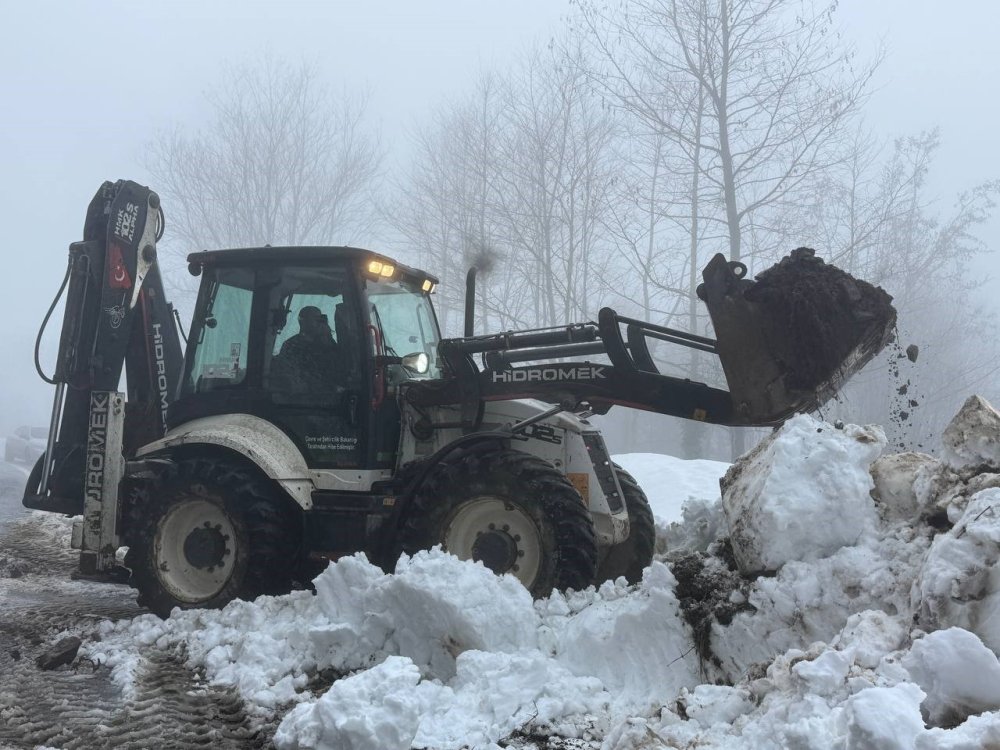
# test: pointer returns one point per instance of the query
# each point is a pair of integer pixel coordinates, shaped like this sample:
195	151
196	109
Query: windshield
407	324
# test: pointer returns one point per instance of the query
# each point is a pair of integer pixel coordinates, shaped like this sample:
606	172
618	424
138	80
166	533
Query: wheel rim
195	550
497	533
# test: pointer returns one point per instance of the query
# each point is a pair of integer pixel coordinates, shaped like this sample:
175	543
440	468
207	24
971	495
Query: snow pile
828	697
678	490
588	640
433	609
896	477
973	437
959	583
820	653
774	517
958	674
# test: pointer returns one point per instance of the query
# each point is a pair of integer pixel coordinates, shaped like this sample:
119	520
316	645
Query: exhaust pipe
470	301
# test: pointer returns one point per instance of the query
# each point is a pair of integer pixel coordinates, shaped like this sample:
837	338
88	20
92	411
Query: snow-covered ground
837	597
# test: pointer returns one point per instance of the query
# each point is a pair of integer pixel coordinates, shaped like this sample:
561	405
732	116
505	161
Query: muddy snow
836	596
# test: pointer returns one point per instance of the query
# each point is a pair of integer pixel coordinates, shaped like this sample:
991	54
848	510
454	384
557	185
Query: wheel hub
496	550
205	547
497	533
195	550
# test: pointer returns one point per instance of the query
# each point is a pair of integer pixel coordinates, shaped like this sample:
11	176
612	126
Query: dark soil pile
815	315
709	590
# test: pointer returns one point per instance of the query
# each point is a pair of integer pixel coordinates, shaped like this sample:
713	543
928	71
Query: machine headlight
381	268
418	362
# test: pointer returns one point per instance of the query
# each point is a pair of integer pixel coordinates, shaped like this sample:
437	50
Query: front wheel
511	511
630	557
206	533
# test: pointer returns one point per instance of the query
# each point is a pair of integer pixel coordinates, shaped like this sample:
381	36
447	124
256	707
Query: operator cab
313	340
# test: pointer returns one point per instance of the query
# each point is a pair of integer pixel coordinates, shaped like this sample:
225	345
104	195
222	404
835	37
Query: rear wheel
630	557
206	533
511	511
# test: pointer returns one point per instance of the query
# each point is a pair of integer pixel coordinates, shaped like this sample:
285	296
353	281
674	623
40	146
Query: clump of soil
815	315
709	589
905	401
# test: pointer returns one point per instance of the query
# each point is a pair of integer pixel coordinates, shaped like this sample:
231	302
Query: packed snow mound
589	643
897	477
774	517
486	659
972	438
959	582
820	654
958	674
678	490
431	611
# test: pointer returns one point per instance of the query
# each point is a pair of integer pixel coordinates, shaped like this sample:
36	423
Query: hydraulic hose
45	322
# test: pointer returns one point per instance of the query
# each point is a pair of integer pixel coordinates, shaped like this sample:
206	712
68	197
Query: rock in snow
819	653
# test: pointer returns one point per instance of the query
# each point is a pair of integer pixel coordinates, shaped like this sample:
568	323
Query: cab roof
291	255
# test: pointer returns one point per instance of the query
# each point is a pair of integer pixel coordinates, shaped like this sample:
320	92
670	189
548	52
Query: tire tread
630	557
271	537
575	556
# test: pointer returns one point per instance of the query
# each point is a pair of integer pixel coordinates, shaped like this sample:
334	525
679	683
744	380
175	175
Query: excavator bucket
790	338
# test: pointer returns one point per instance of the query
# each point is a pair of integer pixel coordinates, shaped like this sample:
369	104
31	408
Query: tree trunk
694	433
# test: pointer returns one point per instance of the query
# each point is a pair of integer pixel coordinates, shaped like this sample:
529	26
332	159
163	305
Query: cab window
312	349
221	332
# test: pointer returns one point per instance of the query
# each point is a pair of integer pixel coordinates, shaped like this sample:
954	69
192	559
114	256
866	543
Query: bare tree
552	189
283	161
754	94
516	178
879	222
444	210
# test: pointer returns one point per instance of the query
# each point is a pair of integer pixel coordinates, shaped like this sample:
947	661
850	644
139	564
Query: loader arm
116	316
786	343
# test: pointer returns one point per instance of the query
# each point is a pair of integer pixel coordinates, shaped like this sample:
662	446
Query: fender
258	440
523	408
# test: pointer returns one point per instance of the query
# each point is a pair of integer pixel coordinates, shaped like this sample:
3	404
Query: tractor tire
8	454
206	533
630	557
514	512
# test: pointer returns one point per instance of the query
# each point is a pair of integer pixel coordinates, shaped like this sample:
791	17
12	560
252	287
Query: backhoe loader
317	412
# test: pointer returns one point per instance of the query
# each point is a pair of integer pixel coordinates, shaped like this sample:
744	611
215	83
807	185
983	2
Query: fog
86	86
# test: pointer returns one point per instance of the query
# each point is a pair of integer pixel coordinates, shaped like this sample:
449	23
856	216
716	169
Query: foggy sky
85	85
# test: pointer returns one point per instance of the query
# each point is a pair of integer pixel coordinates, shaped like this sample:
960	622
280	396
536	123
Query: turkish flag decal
118	277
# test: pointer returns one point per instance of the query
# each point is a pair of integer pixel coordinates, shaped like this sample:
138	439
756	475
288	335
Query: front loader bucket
788	340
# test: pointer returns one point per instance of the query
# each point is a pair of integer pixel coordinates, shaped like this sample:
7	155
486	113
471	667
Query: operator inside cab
310	359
